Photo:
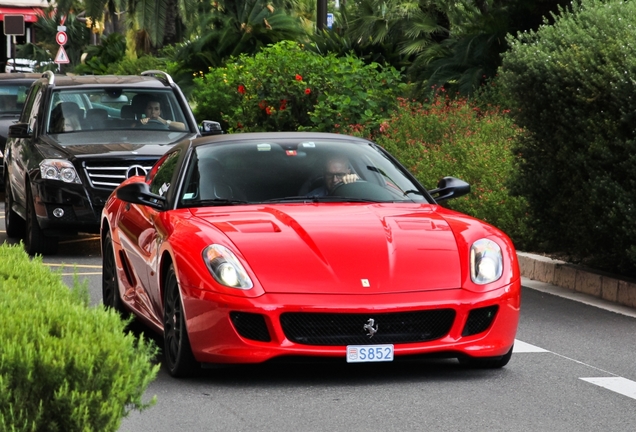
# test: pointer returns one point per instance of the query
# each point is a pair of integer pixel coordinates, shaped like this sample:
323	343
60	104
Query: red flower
239	125
298	78
283	104
262	104
268	111
241	89
307	91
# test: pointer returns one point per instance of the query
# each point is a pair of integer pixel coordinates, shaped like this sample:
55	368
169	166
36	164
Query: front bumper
215	339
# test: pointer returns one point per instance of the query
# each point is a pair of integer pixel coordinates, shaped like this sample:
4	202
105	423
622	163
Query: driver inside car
337	171
153	117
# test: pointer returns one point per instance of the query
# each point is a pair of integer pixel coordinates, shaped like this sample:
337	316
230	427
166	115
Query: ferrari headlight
486	261
59	169
226	268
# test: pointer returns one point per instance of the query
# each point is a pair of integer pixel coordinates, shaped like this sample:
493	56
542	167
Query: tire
110	284
14	224
35	242
486	362
177	352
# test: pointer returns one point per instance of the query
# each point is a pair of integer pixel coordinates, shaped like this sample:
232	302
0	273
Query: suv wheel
35	241
14	224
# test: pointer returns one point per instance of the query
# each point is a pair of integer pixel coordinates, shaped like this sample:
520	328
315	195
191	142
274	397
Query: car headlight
486	262
59	169
226	268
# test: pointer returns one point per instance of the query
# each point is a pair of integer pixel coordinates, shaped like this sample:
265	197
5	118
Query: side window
32	106
162	175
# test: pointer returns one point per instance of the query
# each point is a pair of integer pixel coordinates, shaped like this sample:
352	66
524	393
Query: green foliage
64	366
454	138
285	87
574	91
100	58
135	66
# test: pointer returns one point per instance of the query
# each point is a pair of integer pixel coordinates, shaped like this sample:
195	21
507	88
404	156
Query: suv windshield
12	98
109	109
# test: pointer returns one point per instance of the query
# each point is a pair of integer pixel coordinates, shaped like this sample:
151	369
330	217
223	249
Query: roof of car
108	80
273	136
20	76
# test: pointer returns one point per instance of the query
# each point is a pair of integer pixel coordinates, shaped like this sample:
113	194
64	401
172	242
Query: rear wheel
486	362
35	241
14	224
176	344
110	285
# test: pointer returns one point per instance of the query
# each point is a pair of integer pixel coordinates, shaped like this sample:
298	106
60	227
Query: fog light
58	212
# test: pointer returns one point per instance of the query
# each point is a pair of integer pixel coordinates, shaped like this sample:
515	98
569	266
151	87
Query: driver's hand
350	178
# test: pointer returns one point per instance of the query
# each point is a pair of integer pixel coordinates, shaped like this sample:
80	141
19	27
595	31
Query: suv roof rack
50	76
159	74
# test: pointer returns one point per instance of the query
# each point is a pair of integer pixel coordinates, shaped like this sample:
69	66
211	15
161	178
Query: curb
578	279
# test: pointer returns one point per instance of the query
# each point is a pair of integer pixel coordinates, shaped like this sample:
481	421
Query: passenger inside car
65	117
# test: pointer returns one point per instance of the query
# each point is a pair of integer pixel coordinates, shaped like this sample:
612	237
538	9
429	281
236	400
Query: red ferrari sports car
249	247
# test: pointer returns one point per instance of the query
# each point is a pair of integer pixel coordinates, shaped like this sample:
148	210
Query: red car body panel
313	257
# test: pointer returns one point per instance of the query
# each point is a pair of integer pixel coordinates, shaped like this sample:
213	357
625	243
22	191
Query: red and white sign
61	57
61	38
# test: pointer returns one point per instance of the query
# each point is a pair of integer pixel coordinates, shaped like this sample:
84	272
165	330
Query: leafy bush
574	91
63	366
101	57
285	87
453	138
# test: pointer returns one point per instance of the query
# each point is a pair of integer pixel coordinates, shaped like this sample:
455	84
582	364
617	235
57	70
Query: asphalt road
574	369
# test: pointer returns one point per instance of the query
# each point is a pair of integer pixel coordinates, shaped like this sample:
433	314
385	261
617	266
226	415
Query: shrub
453	138
573	87
64	366
285	87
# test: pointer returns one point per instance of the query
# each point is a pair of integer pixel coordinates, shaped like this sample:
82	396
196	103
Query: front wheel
36	242
176	344
110	285
486	362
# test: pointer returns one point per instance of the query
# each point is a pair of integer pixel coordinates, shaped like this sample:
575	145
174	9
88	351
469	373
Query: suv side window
32	107
160	183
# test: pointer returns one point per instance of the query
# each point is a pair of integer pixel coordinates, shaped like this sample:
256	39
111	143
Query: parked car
13	91
77	139
245	248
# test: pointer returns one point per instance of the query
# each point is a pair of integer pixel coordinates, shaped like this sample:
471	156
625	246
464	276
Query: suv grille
109	174
349	329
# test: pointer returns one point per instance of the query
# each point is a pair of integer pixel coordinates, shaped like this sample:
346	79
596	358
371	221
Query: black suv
77	139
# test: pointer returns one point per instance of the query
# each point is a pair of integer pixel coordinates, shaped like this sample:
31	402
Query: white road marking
616	384
522	347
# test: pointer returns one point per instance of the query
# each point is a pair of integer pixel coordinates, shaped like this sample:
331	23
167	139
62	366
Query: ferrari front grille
366	328
109	174
479	320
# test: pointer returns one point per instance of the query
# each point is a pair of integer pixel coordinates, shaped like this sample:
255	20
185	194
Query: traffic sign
61	38
61	56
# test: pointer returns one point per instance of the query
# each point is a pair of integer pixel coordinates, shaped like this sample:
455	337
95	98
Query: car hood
343	248
112	143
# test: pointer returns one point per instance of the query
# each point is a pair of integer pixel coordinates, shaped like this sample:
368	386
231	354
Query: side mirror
19	130
139	193
209	127
449	187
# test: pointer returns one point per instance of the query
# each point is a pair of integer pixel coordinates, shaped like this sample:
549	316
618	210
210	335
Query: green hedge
64	366
285	87
452	137
573	83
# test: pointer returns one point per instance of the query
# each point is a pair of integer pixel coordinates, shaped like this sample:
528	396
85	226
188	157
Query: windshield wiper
412	191
219	202
316	199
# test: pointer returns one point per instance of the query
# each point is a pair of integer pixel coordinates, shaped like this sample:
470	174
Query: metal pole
321	15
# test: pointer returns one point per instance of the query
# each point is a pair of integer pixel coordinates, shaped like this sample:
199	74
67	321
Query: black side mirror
209	127
19	130
449	187
139	193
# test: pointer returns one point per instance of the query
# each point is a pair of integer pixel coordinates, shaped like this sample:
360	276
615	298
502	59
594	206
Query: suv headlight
486	262
226	268
59	169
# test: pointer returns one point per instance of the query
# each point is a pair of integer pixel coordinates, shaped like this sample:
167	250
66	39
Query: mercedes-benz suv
77	139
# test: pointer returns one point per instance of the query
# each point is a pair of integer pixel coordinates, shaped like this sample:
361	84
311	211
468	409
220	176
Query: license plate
369	353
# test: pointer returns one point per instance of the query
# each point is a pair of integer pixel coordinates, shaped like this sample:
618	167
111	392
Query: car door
141	235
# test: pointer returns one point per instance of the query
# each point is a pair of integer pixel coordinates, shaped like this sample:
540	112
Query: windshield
115	109
12	98
295	171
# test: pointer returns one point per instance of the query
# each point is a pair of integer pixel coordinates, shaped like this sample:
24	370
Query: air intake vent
250	326
479	320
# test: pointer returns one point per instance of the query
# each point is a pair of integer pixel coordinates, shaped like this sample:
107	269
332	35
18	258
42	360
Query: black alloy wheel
176	344
14	224
486	362
110	285
35	241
